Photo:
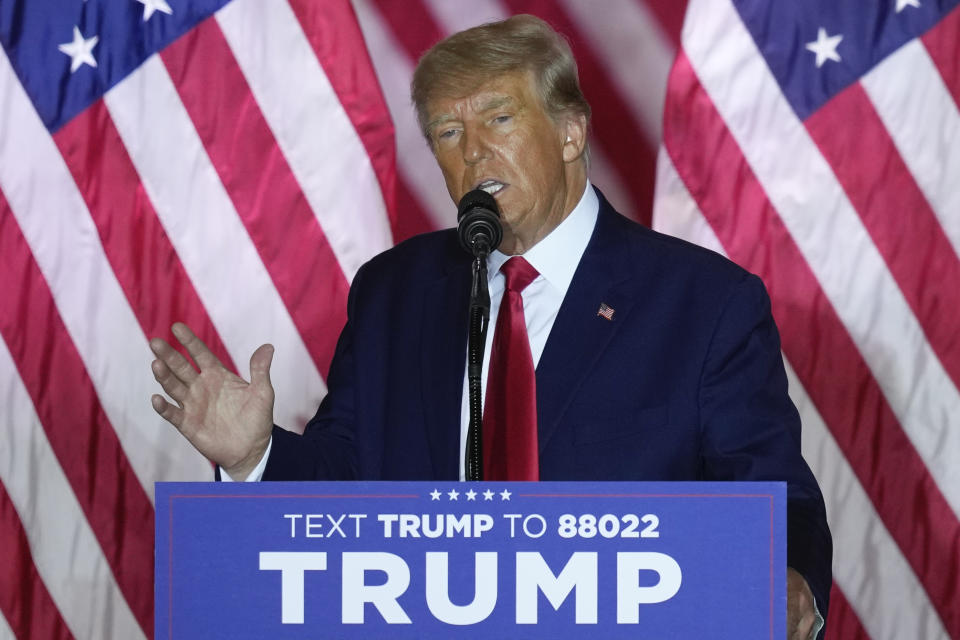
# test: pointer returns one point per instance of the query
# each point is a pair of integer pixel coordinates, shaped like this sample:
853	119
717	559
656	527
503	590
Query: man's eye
447	134
502	119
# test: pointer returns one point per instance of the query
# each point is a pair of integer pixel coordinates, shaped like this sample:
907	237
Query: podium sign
420	560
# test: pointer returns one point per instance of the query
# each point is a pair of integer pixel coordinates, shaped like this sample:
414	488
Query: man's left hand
801	614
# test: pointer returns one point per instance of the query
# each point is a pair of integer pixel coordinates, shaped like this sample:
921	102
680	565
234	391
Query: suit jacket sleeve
326	450
751	430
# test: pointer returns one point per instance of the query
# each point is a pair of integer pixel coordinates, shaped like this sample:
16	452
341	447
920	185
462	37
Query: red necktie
510	409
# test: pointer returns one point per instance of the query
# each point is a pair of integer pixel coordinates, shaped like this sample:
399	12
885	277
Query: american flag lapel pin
605	311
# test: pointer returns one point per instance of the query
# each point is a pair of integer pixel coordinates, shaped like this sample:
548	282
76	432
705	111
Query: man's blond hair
459	65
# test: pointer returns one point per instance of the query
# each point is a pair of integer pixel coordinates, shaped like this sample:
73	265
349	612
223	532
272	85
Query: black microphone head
477	198
478	219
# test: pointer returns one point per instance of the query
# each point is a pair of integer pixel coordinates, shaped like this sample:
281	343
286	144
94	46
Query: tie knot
519	273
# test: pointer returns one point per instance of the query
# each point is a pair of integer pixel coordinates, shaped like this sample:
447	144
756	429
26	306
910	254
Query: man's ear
575	131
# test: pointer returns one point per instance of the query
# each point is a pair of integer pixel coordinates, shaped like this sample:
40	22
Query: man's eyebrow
439	120
496	102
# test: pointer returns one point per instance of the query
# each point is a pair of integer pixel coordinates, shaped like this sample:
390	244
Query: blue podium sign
472	560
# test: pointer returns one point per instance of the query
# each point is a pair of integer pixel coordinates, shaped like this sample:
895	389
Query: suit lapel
443	358
579	334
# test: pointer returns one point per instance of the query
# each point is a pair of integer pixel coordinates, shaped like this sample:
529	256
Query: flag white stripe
604	175
457	16
674	210
210	240
415	163
924	123
325	154
56	224
829	234
65	550
868	565
635	53
6	633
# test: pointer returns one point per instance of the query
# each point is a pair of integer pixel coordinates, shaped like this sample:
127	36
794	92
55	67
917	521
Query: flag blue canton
870	32
31	32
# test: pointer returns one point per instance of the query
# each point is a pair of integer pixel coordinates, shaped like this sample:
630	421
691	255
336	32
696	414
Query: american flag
231	164
817	144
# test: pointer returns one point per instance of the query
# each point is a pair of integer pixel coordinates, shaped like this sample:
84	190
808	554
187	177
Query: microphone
480	232
478	223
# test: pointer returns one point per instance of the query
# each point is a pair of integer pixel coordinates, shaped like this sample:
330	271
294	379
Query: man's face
501	140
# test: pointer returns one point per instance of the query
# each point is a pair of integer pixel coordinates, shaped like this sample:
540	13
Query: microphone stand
479	319
480	232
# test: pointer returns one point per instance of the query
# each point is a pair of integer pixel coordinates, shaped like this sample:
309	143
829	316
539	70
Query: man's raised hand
225	417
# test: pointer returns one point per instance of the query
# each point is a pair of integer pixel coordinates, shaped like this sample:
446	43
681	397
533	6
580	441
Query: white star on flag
471	495
434	495
453	494
150	6
903	4
488	495
504	495
825	47
80	50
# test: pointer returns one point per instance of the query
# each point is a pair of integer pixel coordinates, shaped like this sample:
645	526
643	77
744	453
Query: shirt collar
557	255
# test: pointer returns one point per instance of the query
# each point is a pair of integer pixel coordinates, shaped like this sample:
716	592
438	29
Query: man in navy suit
655	359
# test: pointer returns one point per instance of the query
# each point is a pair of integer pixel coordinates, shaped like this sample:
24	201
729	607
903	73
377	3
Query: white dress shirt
555	258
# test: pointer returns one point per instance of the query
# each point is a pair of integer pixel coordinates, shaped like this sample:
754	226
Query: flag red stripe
943	44
261	185
24	600
415	30
412	25
824	356
411	219
108	491
842	621
139	251
347	65
613	124
896	214
669	14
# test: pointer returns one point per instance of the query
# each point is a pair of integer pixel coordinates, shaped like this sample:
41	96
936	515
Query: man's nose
475	147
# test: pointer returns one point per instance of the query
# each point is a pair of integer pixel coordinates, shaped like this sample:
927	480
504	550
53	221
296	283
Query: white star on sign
504	495
453	494
434	495
825	47
488	495
80	50
471	495
149	6
903	4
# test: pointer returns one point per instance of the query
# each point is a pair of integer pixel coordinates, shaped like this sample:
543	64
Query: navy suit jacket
685	382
